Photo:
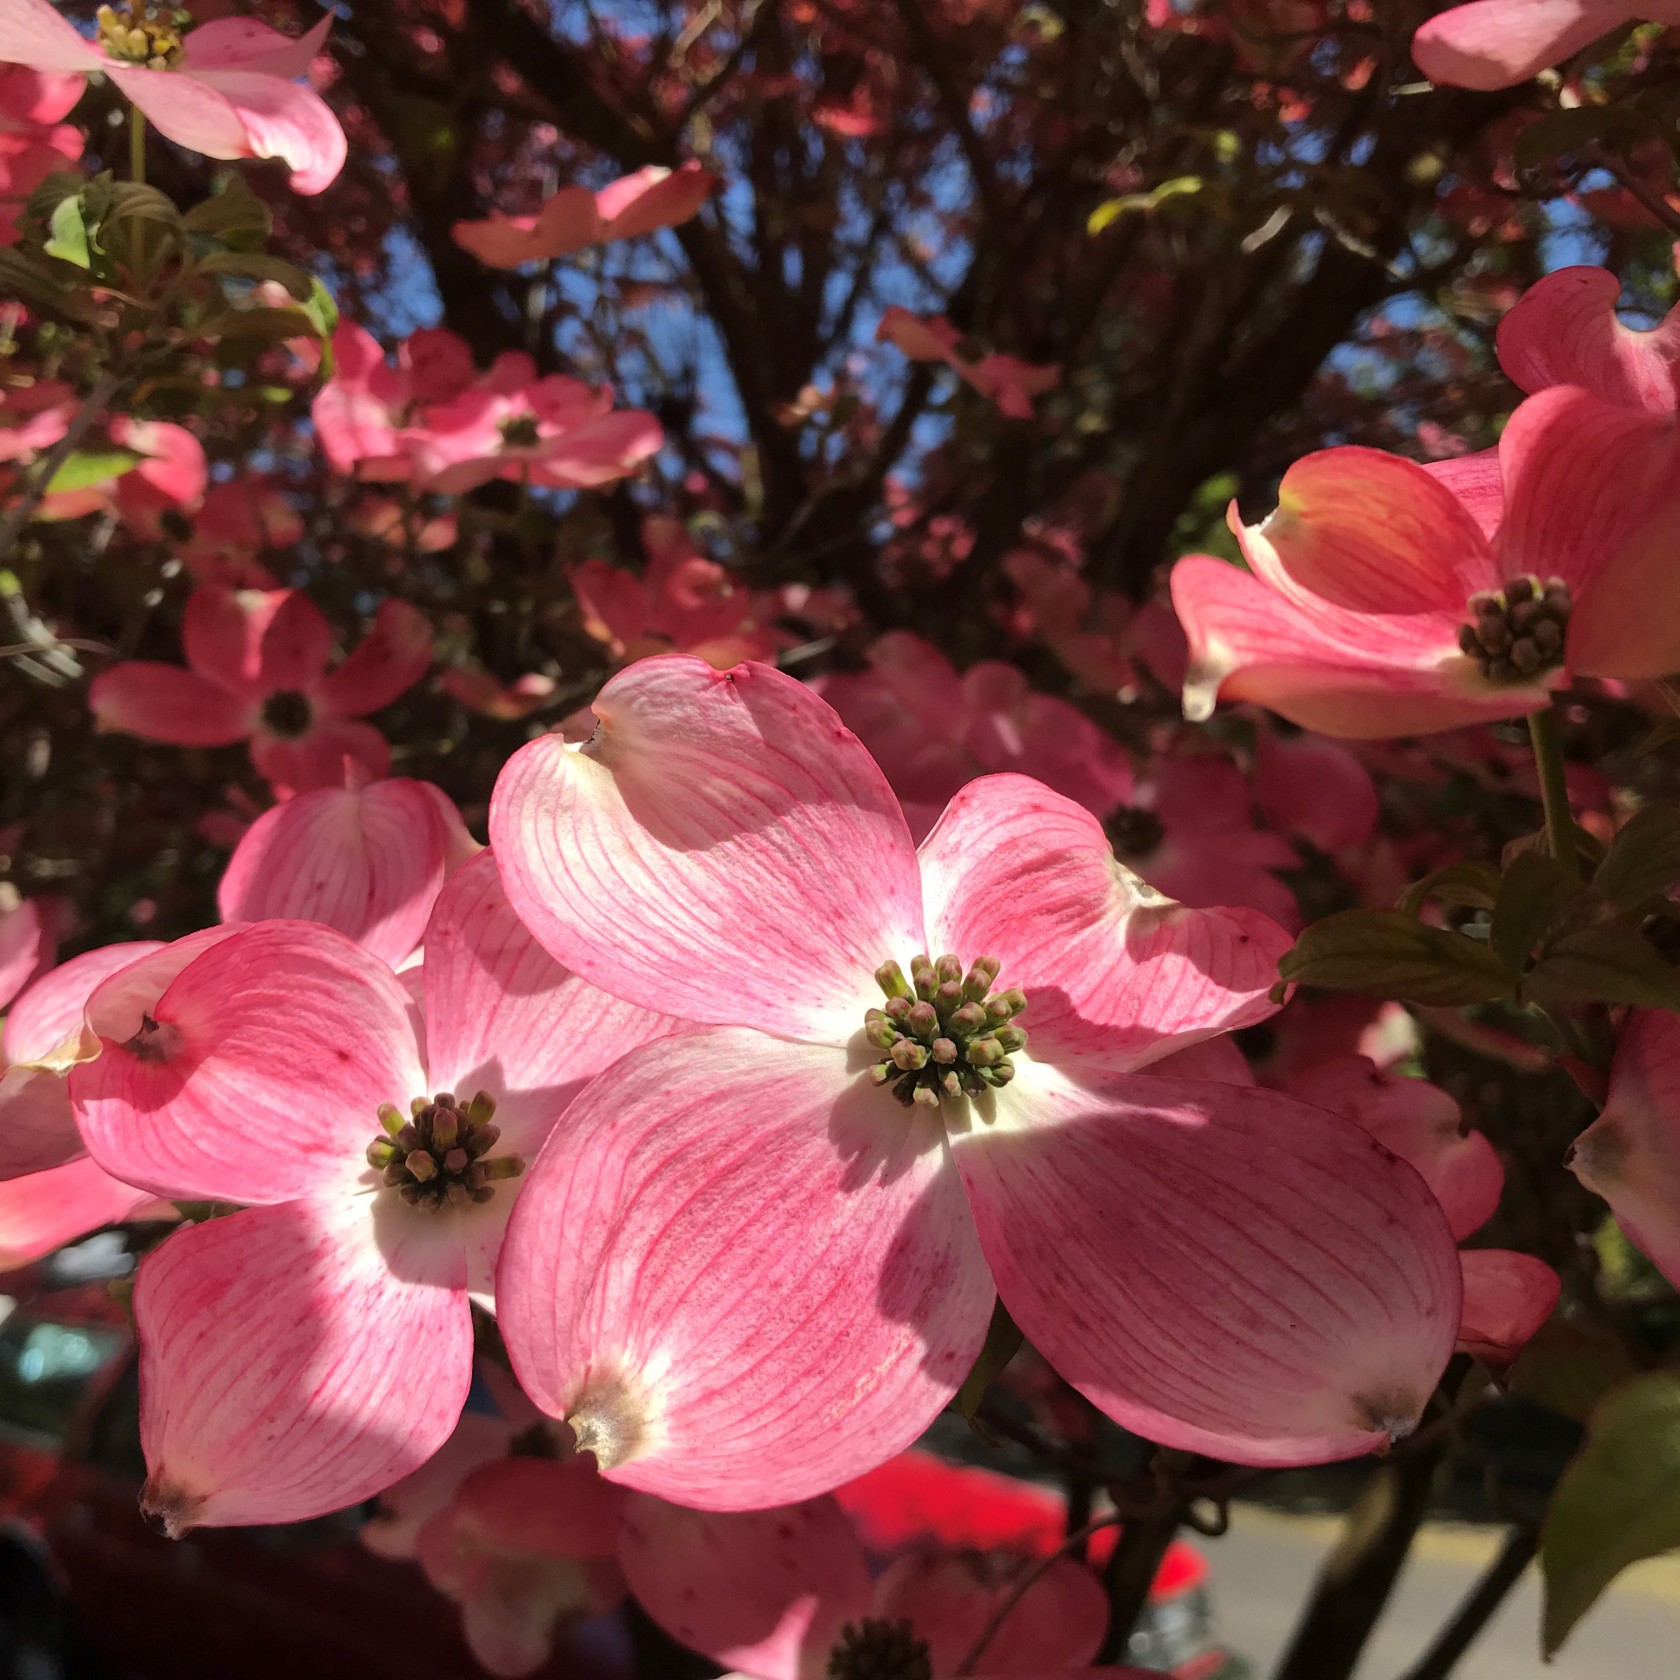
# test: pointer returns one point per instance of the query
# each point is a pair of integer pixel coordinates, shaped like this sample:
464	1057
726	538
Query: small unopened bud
923	1021
481	1140
390	1117
985	1052
925	980
505	1166
949	996
1011	1038
951	1083
420	1165
881	1073
1002	1073
890	978
1519	590
446	1128
949	969
944	1051
925	1096
480	1109
971	1018
909	1056
444	1099
379	1153
417	1107
459	1195
409	1137
898	1009
456	1160
882	1034
982	976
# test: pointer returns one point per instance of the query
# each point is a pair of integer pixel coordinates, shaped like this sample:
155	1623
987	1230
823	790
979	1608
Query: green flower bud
949	970
418	1164
909	1055
926	1096
446	1128
390	1117
1011	1038
944	1051
923	1021
481	1108
890	978
985	1052
971	1018
379	1153
882	1034
881	1073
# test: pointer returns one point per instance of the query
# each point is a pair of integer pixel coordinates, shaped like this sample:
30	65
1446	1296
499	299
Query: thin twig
1479	1607
1025	1585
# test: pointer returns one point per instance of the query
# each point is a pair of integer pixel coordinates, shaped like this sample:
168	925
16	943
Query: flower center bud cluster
876	1649
520	432
1133	831
1517	632
287	713
440	1156
145	35
943	1031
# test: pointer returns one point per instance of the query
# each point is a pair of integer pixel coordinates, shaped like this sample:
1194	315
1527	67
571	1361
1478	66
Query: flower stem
136	146
1547	741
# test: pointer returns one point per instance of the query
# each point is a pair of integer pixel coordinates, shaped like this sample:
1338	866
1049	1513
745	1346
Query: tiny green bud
926	983
481	1108
417	1107
379	1153
924	1021
950	1082
390	1117
948	998
881	1073
505	1166
890	978
909	1056
898	1009
971	1018
985	1052
926	1096
949	970
1011	1038
943	1051
882	1034
1002	1073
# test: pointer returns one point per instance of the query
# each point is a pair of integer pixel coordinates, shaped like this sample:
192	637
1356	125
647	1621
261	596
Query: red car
88	1591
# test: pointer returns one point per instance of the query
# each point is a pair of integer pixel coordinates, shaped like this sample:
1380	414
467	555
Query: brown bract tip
168	1509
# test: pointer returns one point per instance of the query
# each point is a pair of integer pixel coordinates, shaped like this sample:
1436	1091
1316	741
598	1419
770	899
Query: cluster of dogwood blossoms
783	1030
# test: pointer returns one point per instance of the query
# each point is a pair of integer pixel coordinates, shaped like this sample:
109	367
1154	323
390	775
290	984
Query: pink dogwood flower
759	1257
1007	381
28	939
1507	1295
932	730
576	218
1387	598
1188	829
1315	788
1630	1155
556	433
682	603
784	1594
368	858
34	140
227	89
237	521
312	1349
526	1547
1564	330
370	416
1492	44
257	671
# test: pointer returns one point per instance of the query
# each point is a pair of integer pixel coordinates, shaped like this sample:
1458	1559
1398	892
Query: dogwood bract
758	1257
303	1354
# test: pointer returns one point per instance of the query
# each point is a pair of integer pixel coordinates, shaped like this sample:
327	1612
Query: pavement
1263	1566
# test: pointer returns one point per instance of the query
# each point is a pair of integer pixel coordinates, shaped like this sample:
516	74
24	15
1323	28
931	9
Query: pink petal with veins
238	43
1507	1297
1019	873
1422	1124
503	1016
949	1599
394	655
295	1360
368	860
1630	1155
228	1039
762	1592
741	1271
285	120
316	759
739	796
36	33
49	1209
1218	1269
165	703
1491	44
1564	331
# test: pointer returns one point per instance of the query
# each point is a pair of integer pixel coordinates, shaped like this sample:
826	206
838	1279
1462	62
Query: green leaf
1563	132
1472	884
322	309
1003	1342
1394	955
68	235
1644	859
1617	1503
235	216
1604	962
1536	894
258	265
271	325
1570	1368
88	467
